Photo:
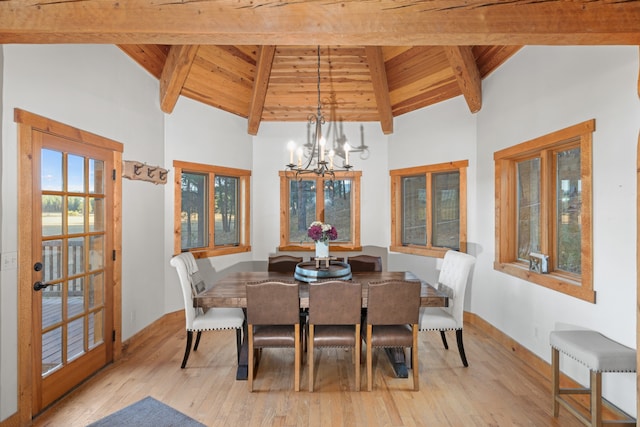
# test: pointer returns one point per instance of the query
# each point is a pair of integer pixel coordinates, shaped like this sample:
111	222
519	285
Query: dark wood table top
230	291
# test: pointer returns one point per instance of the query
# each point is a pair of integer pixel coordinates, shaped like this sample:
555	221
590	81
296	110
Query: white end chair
453	282
196	320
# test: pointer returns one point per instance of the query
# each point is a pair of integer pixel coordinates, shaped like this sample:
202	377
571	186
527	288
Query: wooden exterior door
69	285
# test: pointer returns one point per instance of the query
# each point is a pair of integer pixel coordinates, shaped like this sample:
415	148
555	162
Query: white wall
538	91
198	133
100	90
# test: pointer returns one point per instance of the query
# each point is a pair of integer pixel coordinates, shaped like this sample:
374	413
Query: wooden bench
599	354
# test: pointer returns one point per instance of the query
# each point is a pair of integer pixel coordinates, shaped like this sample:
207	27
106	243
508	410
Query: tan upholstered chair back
273	303
336	302
393	302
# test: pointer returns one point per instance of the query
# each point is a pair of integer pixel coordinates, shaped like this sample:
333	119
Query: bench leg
596	399
555	380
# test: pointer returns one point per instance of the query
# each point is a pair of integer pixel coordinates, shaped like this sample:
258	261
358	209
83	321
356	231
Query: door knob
39	285
37	266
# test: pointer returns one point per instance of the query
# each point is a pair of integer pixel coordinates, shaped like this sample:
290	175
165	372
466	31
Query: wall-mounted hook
150	171
163	174
136	169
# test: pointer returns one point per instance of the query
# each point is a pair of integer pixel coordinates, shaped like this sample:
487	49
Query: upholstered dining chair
197	320
393	309
334	320
452	280
273	318
283	263
364	263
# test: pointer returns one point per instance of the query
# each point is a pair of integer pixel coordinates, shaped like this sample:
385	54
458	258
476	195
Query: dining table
230	291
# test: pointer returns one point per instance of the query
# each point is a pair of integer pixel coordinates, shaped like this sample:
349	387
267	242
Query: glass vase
322	249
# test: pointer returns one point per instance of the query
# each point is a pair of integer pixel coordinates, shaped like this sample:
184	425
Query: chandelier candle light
321	234
321	167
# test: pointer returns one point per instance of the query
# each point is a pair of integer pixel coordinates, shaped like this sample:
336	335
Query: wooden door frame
27	124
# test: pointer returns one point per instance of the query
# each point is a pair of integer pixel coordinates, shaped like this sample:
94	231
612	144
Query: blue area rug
147	412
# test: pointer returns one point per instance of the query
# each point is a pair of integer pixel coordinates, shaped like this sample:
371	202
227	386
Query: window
211	212
543	205
429	209
307	198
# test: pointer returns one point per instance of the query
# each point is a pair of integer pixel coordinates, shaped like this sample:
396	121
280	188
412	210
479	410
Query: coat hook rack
134	170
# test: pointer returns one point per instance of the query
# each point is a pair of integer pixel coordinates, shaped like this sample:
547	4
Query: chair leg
444	340
195	347
310	328
298	356
596	398
356	358
369	361
461	347
187	349
414	360
251	361
555	380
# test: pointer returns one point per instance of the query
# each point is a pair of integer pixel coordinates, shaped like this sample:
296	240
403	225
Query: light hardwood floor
497	389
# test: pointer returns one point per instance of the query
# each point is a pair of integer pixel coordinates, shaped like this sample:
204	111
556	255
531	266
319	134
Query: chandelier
320	158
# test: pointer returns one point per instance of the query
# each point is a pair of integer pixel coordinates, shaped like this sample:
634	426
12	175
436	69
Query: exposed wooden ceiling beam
260	84
174	74
467	74
384	22
380	87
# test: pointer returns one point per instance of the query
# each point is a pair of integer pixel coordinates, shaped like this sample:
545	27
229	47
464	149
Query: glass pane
528	208
75	215
96	326
75	339
96	252
51	350
302	209
75	297
226	211
51	260
193	212
414	210
51	305
337	207
96	290
75	256
446	209
51	215
569	205
75	174
96	214
51	170
96	176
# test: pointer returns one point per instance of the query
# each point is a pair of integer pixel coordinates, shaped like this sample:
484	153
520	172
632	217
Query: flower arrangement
321	232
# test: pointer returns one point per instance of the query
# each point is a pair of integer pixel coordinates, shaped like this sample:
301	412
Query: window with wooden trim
543	206
211	209
307	198
429	209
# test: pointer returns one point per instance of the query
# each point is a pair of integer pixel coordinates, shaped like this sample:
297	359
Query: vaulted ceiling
378	59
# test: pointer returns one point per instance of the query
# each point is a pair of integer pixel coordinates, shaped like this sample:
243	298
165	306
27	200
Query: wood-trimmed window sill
206	253
554	281
419	250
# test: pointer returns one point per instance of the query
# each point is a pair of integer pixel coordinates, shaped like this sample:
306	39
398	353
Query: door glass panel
51	215
51	260
75	214
96	252
96	176
96	290
75	297
51	170
95	329
51	350
96	214
51	305
75	174
75	338
75	256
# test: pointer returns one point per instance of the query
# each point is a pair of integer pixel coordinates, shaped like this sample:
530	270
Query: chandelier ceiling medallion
316	156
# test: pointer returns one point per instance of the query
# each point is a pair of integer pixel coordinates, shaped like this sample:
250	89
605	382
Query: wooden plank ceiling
378	59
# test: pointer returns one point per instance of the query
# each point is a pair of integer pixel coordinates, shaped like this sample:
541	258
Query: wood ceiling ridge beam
174	74
467	74
375	59
264	62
